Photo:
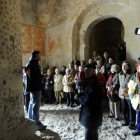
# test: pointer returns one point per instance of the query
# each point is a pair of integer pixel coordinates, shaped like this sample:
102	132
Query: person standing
58	86
75	61
34	86
96	56
91	101
134	95
128	111
105	59
68	81
49	89
101	78
112	86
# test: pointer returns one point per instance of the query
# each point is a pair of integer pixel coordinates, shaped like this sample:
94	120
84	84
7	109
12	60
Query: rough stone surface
11	101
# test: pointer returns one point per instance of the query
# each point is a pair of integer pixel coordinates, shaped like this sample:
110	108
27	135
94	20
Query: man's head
105	54
74	57
89	70
90	60
36	55
63	68
94	53
76	67
71	66
111	60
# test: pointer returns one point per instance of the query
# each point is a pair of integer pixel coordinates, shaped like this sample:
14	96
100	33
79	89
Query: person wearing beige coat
68	81
58	86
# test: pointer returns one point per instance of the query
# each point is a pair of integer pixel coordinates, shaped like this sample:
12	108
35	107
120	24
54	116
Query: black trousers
48	96
128	112
26	101
91	133
70	98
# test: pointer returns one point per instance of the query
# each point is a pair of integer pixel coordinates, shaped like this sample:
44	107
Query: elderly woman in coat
58	86
134	95
128	112
49	87
112	86
68	81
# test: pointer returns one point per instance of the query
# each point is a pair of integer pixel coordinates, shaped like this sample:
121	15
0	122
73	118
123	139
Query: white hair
67	69
57	69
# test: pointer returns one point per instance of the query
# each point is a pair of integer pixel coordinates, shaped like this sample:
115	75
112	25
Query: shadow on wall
45	134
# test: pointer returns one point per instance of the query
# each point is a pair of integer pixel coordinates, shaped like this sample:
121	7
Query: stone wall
11	100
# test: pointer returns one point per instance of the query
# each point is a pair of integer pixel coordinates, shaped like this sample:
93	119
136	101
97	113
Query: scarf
81	75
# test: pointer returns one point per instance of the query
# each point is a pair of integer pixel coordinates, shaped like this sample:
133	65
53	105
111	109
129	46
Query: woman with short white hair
112	86
68	81
58	85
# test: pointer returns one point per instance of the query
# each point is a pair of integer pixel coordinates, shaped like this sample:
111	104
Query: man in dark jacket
75	61
34	86
91	101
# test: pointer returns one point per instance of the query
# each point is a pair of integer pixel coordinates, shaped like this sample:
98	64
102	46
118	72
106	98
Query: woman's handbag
124	92
113	97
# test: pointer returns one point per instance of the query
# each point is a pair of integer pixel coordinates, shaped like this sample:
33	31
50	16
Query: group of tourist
76	84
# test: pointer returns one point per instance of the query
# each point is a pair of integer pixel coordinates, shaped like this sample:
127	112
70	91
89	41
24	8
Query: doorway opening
106	35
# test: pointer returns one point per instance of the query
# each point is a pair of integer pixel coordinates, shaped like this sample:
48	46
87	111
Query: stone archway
104	35
97	13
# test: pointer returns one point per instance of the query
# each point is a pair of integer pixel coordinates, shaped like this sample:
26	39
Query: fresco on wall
33	38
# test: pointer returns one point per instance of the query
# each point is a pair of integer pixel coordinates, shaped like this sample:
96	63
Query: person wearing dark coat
63	70
34	86
75	61
122	51
105	59
91	101
49	87
109	64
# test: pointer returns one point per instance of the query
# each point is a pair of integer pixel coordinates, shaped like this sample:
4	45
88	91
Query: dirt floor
62	124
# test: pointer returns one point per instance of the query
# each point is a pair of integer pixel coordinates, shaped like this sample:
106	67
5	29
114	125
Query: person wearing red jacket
101	78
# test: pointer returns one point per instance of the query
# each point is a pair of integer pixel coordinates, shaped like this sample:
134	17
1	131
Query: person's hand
46	83
51	82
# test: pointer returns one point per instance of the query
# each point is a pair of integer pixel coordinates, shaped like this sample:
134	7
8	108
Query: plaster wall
33	38
68	24
70	20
